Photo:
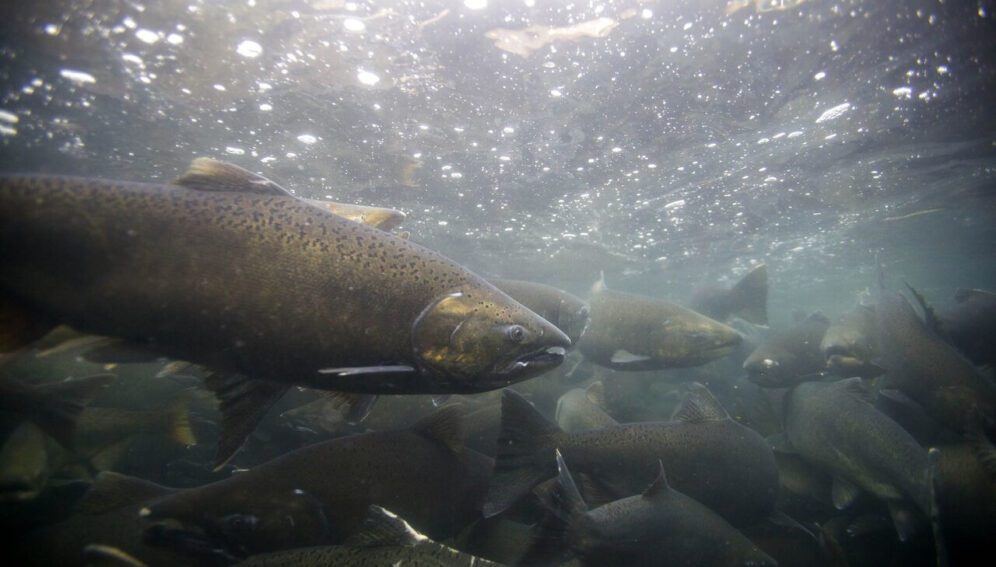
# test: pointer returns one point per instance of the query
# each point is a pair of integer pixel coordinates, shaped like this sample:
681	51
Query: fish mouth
537	361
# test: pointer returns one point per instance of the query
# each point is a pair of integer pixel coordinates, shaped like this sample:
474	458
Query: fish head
476	338
573	318
769	369
692	338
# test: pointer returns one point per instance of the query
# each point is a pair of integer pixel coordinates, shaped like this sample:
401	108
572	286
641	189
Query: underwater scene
498	282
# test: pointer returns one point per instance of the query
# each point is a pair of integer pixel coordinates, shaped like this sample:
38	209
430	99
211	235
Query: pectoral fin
843	493
243	403
625	357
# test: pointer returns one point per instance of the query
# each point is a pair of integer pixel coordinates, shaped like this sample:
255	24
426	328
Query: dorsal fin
659	485
600	285
207	174
113	490
445	426
929	316
595	392
382	527
700	406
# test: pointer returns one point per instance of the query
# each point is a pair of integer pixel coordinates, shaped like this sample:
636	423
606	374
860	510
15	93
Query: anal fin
243	402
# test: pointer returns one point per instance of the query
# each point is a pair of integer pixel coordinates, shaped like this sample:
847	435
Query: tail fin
750	296
178	422
565	509
63	402
525	453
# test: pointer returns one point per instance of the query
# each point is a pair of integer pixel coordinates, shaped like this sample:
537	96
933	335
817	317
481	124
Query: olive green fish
580	409
836	426
568	312
659	526
633	332
970	324
747	299
790	356
226	269
726	466
55	407
851	343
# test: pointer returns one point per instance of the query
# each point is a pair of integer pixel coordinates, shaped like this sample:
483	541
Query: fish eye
515	333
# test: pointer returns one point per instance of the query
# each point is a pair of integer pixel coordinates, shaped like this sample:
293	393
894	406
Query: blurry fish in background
569	313
281	315
24	463
851	343
790	356
969	324
661	522
633	332
747	299
722	464
581	409
54	406
524	42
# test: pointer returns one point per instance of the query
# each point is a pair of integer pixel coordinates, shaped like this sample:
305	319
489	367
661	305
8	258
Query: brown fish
633	332
722	464
851	343
226	269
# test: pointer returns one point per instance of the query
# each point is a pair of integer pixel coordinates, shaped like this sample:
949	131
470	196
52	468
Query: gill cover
454	338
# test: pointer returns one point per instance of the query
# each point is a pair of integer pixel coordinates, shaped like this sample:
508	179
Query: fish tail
63	402
178	427
525	453
566	509
750	296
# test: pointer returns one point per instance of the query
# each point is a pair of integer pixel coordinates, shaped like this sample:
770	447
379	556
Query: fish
659	524
108	514
925	367
836	426
790	356
105	434
424	473
568	312
384	539
851	343
580	409
722	464
24	463
970	325
55	407
226	269
747	299
966	494
633	332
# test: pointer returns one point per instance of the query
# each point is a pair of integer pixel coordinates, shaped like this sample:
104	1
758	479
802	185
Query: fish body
970	324
424	474
579	410
926	368
851	343
722	464
227	270
54	406
747	299
790	356
106	433
633	332
836	426
659	525
568	312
